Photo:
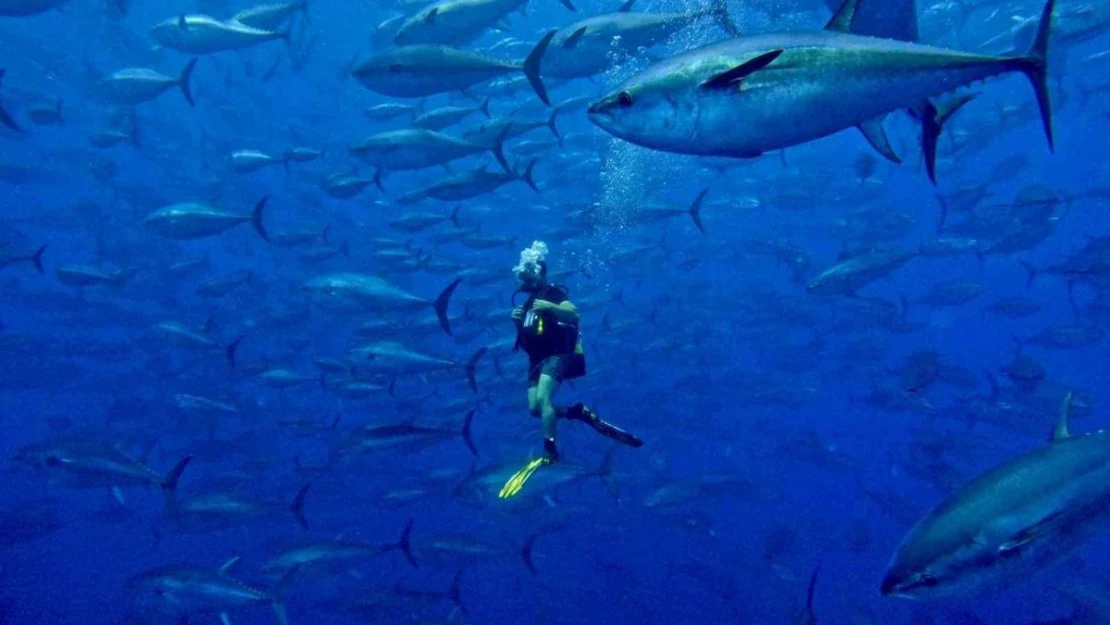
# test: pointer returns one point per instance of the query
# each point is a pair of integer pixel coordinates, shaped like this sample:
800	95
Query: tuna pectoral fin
256	219
532	67
875	134
569	6
728	78
441	303
183	82
1041	528
1035	67
169	484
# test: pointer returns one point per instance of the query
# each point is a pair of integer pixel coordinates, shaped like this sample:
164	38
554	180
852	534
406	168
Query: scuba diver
547	331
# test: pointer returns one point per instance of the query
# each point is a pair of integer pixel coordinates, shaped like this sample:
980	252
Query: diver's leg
533	399
582	412
544	392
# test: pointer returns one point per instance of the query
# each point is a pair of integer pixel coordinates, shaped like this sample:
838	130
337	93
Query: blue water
705	346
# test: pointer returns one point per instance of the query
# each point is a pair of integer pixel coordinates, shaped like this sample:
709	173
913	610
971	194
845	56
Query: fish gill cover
821	325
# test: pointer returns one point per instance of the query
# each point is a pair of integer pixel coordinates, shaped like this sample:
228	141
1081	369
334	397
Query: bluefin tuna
744	97
368	294
423	70
457	22
139	84
197	220
1009	523
201	34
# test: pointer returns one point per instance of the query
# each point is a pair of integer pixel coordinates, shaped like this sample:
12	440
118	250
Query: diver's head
531	271
533	277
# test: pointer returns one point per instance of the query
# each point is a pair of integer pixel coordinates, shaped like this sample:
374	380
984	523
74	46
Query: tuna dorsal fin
844	18
227	566
1061	432
729	77
181	23
626	7
875	134
574	38
430	18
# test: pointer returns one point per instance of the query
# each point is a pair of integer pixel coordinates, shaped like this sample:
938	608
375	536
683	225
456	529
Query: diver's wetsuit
548	342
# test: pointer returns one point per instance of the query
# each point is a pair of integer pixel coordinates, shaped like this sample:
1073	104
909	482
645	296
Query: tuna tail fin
532	67
1060	432
809	595
256	219
298	506
455	592
555	129
719	11
471	371
498	150
183	82
7	120
231	349
277	601
1030	273
527	176
36	258
1035	67
933	118
605	472
526	551
440	305
405	544
466	432
695	211
169	484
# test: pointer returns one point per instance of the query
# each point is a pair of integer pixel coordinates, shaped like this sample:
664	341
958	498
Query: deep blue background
685	369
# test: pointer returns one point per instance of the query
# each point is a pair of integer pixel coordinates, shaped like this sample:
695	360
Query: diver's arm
565	312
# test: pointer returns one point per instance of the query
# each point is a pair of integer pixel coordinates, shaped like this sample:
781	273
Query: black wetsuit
550	344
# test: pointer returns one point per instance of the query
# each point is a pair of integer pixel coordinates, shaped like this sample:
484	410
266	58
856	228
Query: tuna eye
929	581
624	99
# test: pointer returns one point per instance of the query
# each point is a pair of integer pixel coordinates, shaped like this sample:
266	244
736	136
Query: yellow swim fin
517	481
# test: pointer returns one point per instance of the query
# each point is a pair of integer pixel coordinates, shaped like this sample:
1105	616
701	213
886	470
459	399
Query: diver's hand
517	314
542	304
